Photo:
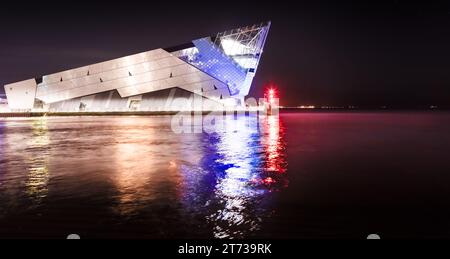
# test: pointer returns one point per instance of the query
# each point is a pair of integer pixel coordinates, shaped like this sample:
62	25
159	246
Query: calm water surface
304	175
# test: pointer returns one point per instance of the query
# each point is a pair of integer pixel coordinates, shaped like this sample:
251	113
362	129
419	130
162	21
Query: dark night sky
383	53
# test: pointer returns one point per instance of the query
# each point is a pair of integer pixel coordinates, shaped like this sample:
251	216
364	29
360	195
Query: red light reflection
274	145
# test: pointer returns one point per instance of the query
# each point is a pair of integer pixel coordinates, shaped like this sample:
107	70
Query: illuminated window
82	107
134	105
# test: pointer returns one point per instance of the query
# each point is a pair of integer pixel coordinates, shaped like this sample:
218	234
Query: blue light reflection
243	165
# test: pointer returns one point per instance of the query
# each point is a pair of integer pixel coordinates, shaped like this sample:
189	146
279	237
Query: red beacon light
270	96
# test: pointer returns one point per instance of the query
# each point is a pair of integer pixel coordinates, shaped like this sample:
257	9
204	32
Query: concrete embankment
41	114
135	113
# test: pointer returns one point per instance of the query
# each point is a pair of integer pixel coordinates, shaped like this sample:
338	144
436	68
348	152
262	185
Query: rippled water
302	175
133	177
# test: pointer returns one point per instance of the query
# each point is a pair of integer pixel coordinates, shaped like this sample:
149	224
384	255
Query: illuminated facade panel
21	95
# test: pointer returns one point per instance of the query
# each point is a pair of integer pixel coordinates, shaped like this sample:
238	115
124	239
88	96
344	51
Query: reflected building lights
242	190
38	154
276	162
138	171
131	176
234	189
140	182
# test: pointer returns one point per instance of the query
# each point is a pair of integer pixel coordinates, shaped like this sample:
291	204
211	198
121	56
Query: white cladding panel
132	75
106	66
21	95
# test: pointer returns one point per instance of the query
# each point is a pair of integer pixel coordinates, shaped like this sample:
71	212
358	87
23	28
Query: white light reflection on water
238	156
37	157
234	190
24	164
143	170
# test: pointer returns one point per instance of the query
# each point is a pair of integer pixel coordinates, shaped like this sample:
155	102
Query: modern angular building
218	68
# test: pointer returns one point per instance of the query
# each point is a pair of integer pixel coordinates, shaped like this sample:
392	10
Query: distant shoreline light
306	107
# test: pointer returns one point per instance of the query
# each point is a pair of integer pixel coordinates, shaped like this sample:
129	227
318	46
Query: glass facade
231	56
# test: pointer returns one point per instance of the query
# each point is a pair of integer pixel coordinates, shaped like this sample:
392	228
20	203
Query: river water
302	175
